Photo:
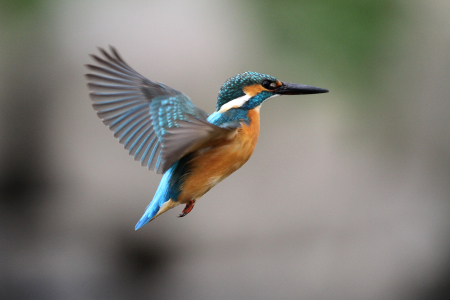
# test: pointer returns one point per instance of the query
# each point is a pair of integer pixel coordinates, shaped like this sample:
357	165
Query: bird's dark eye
268	84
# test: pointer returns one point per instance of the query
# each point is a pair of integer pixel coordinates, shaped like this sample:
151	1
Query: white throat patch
238	102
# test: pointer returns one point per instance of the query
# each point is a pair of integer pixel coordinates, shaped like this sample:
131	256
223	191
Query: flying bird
165	131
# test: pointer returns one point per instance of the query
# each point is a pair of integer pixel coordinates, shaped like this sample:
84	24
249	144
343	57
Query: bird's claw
187	209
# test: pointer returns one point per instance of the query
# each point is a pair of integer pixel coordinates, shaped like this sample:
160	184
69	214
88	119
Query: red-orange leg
187	209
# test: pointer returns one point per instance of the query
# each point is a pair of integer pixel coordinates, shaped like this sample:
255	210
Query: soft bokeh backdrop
346	196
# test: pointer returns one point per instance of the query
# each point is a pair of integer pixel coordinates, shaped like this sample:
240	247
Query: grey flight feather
156	123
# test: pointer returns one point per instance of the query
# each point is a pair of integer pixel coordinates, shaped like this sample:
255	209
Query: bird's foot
187	209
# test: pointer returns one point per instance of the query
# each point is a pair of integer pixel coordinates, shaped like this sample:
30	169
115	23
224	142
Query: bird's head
248	90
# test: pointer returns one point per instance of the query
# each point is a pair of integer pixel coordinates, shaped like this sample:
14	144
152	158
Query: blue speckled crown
232	88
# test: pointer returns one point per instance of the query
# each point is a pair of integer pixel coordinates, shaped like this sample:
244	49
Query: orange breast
218	162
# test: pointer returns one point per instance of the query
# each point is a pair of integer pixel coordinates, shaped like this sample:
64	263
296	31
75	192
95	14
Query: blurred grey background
346	195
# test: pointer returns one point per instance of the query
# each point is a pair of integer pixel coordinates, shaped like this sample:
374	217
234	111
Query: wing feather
98	78
156	123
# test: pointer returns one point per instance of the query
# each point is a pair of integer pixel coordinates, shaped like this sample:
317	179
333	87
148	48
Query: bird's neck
233	115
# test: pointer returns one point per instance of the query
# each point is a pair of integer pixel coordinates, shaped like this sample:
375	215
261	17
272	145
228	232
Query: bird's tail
161	201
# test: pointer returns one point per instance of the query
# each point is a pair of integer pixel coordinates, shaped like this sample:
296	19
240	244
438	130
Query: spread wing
156	123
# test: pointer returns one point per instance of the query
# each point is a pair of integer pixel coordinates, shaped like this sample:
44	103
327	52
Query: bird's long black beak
298	89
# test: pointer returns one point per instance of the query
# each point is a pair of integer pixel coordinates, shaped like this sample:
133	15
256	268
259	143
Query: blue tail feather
162	195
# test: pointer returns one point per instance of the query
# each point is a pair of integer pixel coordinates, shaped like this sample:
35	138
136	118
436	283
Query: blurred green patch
345	38
17	7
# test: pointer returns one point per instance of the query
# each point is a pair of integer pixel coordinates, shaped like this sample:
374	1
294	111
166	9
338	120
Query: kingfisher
163	130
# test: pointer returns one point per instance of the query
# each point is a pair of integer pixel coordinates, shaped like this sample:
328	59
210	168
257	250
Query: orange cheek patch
253	90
